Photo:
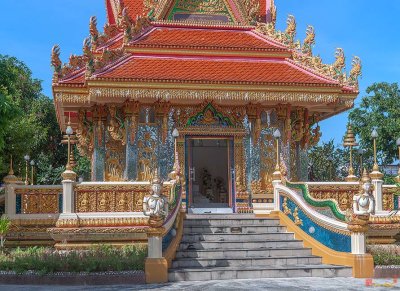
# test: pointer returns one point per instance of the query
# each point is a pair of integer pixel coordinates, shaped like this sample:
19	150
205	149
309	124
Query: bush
385	255
97	259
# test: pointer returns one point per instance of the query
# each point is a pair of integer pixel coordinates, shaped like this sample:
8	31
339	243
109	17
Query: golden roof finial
156	178
349	139
365	177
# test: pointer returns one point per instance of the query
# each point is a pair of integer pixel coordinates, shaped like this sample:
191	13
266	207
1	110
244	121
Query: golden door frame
236	134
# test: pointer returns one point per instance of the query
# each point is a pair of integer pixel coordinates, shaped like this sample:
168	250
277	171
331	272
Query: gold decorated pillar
99	151
131	110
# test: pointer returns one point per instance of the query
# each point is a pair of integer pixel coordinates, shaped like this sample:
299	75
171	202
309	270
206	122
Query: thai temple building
197	116
215	73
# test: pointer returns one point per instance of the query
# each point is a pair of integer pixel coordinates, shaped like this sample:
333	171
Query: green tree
380	109
28	125
328	162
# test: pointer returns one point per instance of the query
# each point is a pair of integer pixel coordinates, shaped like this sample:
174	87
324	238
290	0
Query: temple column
99	151
131	110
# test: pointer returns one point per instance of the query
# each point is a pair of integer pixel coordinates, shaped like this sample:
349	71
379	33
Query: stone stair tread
232	226
254	268
213	252
224	216
242	259
239	241
240	233
246	249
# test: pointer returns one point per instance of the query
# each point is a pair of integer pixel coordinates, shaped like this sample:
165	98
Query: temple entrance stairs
222	247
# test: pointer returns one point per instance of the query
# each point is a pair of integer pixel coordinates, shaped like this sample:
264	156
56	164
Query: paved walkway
295	284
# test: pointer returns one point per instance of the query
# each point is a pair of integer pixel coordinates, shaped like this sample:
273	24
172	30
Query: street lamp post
69	131
276	176
176	169
69	174
375	174
398	146
26	158
32	171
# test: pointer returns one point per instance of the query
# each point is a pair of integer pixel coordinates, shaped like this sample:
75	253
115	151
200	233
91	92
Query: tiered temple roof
188	50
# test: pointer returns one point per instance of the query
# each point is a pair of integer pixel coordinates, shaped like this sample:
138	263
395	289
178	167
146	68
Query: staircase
222	247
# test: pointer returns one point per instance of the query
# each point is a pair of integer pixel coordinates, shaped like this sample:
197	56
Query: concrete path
295	284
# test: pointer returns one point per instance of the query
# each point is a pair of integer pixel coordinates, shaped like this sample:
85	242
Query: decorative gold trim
106	230
209	51
241	96
103	222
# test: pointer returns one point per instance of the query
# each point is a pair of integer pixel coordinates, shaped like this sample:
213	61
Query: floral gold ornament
285	207
296	217
350	141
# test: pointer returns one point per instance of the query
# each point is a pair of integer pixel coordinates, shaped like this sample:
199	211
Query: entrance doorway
209	175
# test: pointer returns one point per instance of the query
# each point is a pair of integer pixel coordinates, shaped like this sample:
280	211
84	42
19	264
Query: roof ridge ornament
56	63
88	57
252	10
94	33
303	55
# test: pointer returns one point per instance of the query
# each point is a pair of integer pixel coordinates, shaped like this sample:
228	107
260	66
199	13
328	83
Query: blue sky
368	29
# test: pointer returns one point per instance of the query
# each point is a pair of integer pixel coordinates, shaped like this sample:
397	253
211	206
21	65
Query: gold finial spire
11	171
156	178
349	139
365	177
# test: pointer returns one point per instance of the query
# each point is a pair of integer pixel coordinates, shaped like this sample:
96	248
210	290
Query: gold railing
113	197
38	200
342	193
388	197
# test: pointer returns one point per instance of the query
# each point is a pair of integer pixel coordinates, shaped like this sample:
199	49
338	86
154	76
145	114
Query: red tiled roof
134	7
77	77
211	70
208	38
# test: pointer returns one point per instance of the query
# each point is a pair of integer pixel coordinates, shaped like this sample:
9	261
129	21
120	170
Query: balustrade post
68	200
9	199
276	195
378	183
156	266
363	263
10	182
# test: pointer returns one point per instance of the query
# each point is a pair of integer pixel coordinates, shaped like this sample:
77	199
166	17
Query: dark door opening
209	173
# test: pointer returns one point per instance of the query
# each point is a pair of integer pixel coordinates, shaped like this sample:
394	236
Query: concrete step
233	229
243	253
224	245
196	237
230	222
247	262
229	273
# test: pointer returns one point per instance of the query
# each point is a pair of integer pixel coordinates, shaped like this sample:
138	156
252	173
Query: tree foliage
380	109
28	125
328	162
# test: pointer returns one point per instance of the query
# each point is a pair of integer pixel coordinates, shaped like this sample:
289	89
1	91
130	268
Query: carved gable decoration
200	10
209	116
